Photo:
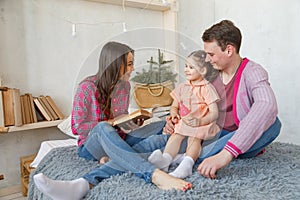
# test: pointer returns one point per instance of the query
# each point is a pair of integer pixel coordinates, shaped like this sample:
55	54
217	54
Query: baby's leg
163	160
185	168
173	144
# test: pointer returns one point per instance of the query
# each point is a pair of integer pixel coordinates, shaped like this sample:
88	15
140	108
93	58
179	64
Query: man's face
215	55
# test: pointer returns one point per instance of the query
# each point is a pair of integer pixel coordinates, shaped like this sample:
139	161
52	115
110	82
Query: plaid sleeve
85	110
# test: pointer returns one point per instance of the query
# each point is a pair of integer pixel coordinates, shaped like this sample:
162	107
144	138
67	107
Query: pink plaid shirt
86	111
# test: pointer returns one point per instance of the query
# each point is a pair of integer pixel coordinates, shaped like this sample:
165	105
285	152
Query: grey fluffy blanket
273	175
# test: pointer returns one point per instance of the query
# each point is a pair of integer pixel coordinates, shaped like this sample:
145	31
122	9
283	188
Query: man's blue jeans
132	155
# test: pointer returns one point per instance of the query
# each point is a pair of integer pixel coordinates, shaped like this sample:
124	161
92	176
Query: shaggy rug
272	175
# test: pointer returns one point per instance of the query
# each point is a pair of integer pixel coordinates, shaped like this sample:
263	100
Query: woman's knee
102	127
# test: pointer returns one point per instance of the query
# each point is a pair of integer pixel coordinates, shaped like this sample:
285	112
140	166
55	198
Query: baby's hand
175	118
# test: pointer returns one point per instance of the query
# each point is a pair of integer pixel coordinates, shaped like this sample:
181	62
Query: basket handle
158	94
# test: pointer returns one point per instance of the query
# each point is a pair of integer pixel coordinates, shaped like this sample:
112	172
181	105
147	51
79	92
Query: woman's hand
140	122
110	121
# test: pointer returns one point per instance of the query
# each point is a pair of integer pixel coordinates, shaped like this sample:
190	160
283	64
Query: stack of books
17	109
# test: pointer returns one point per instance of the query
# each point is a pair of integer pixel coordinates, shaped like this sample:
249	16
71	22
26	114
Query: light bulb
73	30
124	27
165	2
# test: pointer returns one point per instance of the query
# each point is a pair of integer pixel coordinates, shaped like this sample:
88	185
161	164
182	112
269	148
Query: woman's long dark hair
113	56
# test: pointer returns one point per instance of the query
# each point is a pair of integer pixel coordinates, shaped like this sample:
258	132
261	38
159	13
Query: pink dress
196	99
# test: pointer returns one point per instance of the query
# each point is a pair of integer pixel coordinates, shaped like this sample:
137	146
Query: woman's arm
85	109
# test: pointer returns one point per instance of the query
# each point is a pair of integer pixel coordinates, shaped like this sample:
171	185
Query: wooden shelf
144	4
43	124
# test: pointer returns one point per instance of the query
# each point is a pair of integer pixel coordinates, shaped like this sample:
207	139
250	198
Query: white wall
270	32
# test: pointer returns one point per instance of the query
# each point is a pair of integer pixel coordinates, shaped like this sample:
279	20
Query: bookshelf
42	124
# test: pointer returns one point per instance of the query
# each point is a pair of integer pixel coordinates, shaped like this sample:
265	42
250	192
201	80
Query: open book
127	123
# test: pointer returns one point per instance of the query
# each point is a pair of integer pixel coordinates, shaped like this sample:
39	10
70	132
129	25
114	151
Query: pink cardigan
254	107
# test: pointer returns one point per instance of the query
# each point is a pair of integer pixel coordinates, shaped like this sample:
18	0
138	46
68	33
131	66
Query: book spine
33	111
17	107
23	108
26	110
1	110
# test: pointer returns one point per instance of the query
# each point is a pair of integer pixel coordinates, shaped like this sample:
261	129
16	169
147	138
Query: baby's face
191	70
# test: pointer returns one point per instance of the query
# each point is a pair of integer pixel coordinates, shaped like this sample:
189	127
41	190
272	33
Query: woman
100	98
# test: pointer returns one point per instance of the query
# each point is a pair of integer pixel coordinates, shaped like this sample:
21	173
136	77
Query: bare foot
166	182
103	160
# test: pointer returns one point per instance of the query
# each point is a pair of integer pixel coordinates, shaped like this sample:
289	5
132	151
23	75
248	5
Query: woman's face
129	67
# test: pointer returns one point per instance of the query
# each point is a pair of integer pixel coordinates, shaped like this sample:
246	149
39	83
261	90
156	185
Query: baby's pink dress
196	99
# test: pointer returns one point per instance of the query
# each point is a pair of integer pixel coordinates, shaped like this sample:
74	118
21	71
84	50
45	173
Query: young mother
98	100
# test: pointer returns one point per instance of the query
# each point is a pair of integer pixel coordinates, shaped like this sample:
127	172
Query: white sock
61	190
184	169
159	160
178	159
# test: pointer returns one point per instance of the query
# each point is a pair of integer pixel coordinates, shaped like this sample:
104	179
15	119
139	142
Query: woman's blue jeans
103	140
132	155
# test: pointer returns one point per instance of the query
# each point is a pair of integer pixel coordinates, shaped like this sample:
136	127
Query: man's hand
169	127
209	167
191	121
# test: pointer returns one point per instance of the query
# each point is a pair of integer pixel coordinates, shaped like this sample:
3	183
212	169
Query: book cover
45	107
8	108
128	122
54	107
161	112
54	116
17	107
41	109
12	107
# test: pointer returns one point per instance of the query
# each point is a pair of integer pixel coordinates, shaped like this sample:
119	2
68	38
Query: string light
74	32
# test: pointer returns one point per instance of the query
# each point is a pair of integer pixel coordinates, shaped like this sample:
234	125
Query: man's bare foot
103	160
166	182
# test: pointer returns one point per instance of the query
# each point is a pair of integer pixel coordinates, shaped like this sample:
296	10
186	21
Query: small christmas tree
158	71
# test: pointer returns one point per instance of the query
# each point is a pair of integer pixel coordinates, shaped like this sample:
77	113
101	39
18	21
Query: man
247	108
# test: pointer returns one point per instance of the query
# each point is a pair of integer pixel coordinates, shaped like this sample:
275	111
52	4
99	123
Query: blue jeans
133	157
103	140
213	146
